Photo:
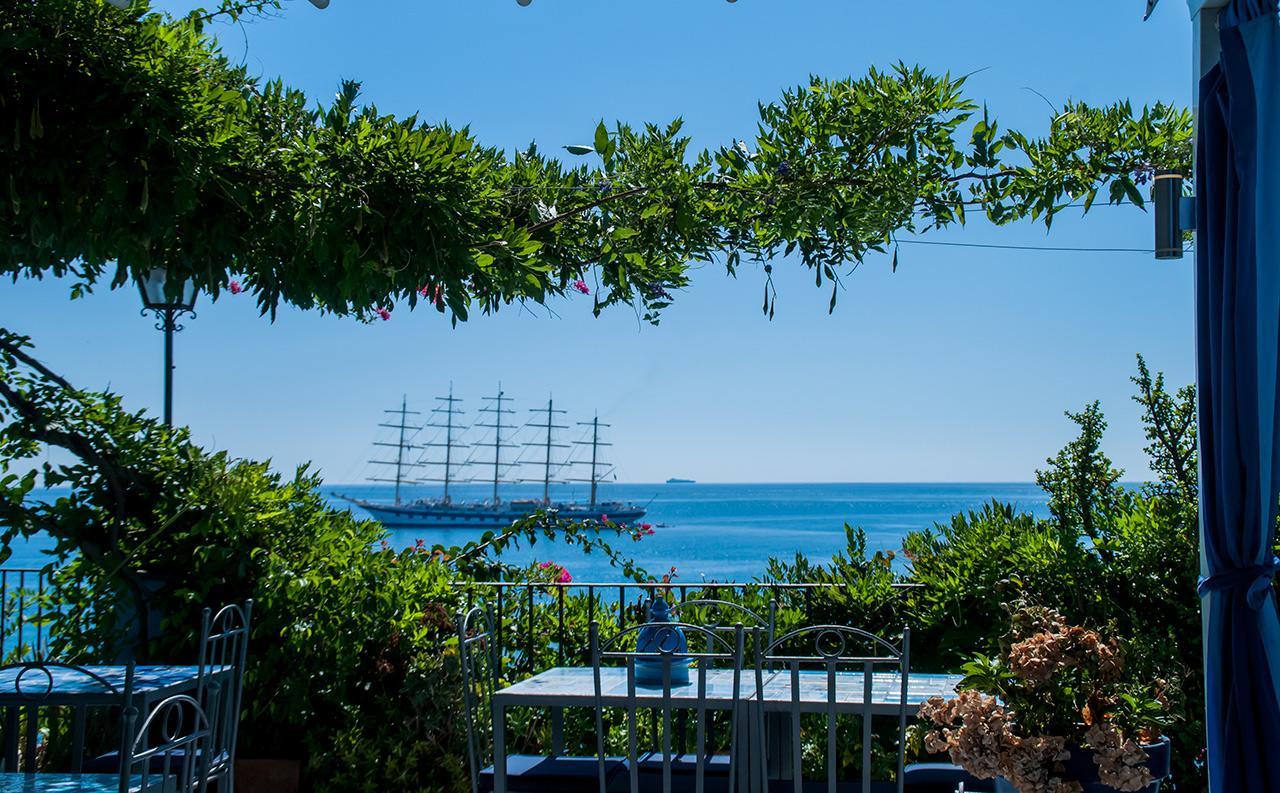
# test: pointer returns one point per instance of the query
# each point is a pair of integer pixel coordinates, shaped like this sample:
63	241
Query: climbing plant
128	141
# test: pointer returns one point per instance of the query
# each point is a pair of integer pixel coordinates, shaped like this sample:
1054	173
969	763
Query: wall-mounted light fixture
1172	217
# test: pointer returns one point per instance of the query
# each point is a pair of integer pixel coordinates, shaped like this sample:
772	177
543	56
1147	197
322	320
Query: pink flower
564	577
581	286
384	313
234	287
545	565
432	295
604	518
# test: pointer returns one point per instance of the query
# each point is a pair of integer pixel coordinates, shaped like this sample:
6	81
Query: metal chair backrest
723	615
715	653
32	689
173	749
825	658
477	654
224	650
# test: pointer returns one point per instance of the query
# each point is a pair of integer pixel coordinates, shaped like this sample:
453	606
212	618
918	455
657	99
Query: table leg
557	731
499	748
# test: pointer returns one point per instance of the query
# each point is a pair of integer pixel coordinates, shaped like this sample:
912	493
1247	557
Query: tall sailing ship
445	513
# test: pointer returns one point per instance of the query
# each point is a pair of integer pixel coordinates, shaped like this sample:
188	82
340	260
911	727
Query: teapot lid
659	611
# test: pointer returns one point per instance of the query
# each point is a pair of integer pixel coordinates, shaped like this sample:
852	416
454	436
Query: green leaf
579	149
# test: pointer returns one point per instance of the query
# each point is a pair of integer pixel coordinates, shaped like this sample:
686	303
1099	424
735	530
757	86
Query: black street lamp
168	309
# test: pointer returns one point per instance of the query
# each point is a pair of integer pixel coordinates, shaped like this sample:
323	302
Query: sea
720	532
728	532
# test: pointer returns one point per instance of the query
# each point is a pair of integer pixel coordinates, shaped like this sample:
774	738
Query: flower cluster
383	312
979	734
1056	687
1057	647
1122	763
581	286
558	574
235	287
640	531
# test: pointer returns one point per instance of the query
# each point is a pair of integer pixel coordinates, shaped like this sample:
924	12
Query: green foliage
1084	488
1131	574
130	142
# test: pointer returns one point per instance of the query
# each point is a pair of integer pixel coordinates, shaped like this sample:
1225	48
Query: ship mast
497	412
550	426
400	446
447	409
596	464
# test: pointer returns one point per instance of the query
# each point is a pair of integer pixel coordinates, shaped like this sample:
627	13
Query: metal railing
23	632
520	601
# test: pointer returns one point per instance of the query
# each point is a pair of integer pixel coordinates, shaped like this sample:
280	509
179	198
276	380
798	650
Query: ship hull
482	516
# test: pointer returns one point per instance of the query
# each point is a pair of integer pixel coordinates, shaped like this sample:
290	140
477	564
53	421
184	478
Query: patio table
70	688
563	687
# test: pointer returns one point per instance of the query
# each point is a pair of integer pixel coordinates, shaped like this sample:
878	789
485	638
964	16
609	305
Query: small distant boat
445	513
676	481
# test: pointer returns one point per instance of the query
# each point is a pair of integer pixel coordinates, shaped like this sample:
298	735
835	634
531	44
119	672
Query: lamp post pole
168	320
168	306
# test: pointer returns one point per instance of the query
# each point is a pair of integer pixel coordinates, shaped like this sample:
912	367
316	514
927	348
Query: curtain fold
1237	366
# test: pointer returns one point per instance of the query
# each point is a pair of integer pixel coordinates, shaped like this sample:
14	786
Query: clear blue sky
955	368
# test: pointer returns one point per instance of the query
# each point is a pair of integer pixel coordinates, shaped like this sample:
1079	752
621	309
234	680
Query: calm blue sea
724	532
728	532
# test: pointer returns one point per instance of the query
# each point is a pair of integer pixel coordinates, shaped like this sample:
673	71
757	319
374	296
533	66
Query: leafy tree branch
133	143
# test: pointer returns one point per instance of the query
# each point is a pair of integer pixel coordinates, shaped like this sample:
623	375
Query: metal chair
173	749
480	661
668	647
34	707
721	616
224	651
819	674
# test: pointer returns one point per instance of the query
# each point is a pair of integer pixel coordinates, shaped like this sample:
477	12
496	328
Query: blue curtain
1237	361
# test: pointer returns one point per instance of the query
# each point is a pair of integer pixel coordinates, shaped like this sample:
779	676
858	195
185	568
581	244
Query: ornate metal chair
830	671
721	616
161	758
662	654
724	615
479	656
224	651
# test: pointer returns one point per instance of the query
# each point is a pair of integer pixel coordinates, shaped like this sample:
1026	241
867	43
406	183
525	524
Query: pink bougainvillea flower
604	518
545	565
564	577
582	287
384	313
234	287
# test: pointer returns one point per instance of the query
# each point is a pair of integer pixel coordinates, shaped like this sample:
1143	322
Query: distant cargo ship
445	513
674	481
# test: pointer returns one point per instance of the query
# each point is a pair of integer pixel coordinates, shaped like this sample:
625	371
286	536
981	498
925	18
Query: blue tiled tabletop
79	783
569	686
886	690
73	688
575	686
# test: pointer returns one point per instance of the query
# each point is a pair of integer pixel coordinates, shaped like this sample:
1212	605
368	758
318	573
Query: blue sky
955	368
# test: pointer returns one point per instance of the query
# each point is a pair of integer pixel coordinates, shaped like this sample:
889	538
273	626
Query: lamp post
168	309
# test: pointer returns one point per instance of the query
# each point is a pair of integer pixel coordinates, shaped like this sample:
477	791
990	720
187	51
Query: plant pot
267	775
1081	767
